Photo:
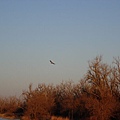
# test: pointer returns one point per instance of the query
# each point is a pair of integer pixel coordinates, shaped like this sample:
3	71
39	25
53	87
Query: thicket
95	97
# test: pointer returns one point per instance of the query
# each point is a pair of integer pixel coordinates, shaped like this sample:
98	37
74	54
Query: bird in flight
52	62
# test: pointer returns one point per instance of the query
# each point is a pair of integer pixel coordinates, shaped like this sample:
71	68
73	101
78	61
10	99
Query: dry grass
58	118
7	116
52	118
25	118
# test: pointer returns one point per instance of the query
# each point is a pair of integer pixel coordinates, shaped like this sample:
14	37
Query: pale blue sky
70	32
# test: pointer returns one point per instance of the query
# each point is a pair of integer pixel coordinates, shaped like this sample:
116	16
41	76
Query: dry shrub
9	105
39	102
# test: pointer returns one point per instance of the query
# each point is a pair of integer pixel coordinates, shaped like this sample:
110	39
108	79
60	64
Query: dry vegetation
95	97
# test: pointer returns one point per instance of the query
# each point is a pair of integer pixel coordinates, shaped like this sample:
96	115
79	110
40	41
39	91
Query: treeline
95	97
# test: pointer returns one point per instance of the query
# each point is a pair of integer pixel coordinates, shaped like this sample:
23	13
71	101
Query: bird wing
52	62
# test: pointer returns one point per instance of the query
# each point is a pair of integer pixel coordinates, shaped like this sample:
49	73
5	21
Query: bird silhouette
52	62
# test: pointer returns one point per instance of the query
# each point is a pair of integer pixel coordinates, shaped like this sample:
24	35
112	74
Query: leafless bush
39	102
9	105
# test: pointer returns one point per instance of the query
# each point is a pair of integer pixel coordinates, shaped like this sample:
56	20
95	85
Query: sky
69	32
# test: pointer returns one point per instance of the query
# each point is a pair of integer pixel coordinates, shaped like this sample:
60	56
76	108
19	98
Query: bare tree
101	101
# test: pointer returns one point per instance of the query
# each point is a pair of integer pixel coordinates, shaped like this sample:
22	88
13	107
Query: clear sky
69	32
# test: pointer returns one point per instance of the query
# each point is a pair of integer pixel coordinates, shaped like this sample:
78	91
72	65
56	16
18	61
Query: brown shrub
39	102
9	105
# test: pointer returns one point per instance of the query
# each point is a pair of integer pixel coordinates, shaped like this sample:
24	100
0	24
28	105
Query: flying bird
52	62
